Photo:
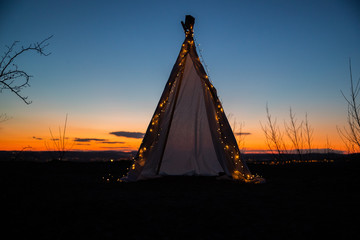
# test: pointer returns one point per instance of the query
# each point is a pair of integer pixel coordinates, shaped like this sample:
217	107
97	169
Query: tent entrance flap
189	149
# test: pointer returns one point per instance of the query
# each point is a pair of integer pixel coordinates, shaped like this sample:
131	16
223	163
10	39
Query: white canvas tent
189	133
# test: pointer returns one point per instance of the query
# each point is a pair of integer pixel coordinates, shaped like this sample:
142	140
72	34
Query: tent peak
188	25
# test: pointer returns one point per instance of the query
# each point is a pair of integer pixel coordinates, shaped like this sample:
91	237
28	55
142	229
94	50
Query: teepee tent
189	133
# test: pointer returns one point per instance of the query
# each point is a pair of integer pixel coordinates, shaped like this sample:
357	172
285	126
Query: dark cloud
107	142
242	133
37	138
128	134
115	147
89	140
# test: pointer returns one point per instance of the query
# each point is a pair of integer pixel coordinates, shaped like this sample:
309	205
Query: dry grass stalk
59	145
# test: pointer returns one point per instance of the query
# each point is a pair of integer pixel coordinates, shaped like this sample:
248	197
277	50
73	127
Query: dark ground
69	200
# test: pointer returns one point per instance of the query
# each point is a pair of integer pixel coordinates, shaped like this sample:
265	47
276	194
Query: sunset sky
110	61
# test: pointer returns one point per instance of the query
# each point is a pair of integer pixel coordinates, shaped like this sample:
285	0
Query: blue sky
110	60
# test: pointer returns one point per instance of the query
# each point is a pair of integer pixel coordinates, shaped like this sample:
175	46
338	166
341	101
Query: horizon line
250	151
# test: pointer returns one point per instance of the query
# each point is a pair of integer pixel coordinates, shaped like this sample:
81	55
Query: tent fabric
189	133
189	149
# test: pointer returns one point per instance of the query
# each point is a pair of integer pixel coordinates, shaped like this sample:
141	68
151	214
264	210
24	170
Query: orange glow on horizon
254	143
76	139
17	134
122	144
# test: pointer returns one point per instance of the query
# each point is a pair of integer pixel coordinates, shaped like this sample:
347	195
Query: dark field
69	200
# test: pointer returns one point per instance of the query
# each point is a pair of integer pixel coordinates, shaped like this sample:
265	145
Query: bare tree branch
308	135
11	77
4	117
273	136
294	132
350	135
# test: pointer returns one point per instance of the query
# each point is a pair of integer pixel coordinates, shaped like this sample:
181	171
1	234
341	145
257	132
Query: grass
69	200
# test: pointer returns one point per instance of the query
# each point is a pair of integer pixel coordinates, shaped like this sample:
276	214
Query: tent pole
171	116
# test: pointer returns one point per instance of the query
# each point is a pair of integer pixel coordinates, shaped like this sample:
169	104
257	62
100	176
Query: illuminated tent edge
189	133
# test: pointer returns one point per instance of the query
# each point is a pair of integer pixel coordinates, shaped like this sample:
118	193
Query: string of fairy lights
231	150
202	60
